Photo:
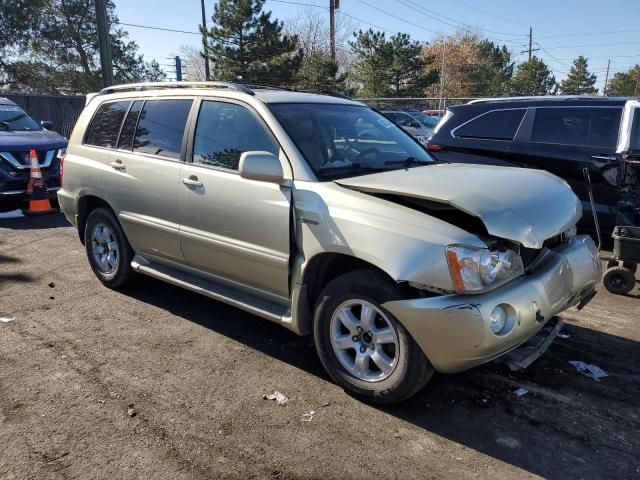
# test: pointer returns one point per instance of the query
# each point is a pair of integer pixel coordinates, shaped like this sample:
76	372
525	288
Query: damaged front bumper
453	330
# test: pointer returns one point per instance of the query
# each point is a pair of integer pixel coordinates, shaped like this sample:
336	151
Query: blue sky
561	29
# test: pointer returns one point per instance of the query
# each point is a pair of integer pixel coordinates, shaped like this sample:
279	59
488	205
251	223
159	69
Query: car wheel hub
104	248
364	340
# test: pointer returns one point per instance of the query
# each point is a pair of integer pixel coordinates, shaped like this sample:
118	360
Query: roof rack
323	91
138	87
542	97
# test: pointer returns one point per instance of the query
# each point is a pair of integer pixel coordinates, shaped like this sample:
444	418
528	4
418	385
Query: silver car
319	214
415	123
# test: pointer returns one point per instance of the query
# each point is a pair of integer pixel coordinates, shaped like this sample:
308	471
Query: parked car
563	135
415	123
19	134
321	215
434	113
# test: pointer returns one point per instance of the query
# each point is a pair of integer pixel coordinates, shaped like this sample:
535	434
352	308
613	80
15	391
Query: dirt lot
79	356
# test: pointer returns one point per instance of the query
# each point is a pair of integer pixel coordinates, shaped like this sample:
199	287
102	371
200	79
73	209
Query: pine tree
394	67
579	81
533	77
494	70
319	72
245	45
625	84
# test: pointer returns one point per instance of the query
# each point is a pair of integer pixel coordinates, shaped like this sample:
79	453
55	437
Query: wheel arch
87	204
321	269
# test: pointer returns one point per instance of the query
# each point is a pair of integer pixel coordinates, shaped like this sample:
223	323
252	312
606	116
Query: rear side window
106	123
494	125
224	132
161	127
129	126
589	127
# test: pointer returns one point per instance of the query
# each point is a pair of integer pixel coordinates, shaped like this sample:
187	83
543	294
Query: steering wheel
367	151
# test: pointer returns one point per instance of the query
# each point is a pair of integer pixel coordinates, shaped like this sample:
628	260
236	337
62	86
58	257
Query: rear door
485	138
143	174
565	140
231	227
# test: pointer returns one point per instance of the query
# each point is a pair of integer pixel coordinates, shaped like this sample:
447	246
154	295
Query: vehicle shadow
566	426
37	222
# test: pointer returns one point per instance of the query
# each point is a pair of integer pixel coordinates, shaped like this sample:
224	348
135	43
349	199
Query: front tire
108	250
364	348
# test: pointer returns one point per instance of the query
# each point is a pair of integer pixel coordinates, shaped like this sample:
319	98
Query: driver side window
225	131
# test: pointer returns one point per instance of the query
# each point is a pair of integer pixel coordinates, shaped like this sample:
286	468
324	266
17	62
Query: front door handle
604	158
192	181
117	165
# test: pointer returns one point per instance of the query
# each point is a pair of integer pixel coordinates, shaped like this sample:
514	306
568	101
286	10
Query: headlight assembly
480	269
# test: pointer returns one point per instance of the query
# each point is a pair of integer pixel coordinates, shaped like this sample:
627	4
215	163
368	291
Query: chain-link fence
62	110
425	103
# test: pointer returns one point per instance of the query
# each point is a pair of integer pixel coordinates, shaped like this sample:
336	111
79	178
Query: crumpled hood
34	139
523	205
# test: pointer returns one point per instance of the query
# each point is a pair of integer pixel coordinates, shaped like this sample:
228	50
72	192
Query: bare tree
193	63
312	28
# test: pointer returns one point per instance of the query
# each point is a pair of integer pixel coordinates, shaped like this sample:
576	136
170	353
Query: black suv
562	135
19	134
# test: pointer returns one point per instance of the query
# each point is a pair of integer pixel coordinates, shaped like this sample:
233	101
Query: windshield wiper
408	162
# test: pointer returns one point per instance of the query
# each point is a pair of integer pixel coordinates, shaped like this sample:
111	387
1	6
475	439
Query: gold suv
318	213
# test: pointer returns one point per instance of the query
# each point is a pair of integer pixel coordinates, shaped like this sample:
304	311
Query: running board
248	303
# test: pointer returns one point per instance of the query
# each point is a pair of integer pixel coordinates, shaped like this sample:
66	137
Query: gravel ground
157	382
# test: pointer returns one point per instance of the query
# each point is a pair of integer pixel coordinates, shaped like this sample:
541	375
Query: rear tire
108	249
619	280
374	358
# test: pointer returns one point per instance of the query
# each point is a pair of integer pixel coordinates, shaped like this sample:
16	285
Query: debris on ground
131	411
307	417
589	370
325	403
52	285
563	335
280	398
7	319
521	391
12	214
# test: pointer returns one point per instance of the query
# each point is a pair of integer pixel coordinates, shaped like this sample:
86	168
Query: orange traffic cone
37	189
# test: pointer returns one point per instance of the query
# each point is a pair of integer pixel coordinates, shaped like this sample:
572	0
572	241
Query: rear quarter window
580	126
105	125
493	125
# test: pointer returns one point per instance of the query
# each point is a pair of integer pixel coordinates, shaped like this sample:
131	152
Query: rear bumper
15	199
453	330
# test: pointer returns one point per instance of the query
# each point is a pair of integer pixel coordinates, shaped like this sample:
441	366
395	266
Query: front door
231	227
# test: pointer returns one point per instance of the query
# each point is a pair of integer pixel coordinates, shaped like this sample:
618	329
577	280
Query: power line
159	28
456	24
490	14
398	18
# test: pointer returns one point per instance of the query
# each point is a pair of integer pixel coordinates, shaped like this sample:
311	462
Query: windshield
13	119
340	141
427	120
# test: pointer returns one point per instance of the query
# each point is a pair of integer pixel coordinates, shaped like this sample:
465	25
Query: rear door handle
604	158
192	181
117	165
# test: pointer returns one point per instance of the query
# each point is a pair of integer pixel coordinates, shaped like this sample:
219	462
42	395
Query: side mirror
261	166
46	124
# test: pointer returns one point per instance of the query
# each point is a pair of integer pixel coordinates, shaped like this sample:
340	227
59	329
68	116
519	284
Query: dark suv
562	135
19	134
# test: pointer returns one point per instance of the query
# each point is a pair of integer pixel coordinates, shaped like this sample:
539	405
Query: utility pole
333	6
441	99
207	73
531	49
178	69
104	45
606	79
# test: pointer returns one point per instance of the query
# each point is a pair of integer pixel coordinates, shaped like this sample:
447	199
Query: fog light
497	319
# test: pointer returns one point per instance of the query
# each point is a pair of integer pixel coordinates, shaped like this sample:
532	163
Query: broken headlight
481	269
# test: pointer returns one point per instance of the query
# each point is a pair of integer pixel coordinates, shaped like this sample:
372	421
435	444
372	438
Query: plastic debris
593	371
12	214
7	319
131	411
280	398
521	391
307	417
563	335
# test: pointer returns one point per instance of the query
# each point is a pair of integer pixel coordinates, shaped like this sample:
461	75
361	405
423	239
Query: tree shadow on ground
566	426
